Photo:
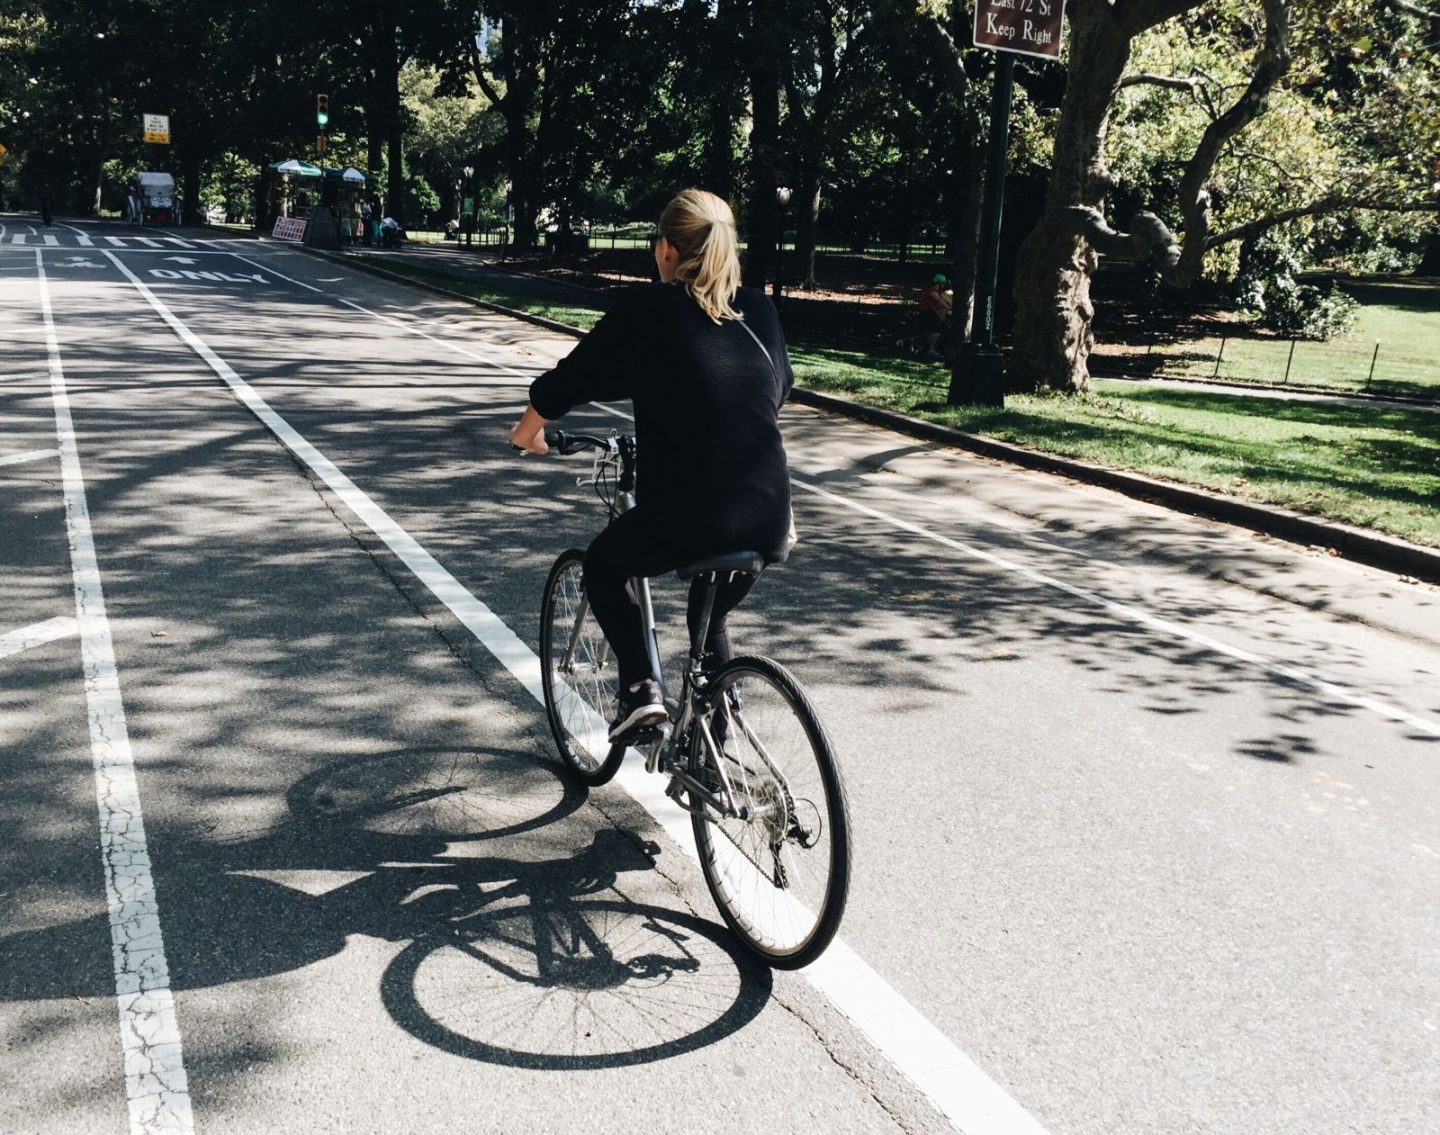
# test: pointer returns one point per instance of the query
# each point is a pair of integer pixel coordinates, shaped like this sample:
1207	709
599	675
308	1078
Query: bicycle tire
578	694
783	898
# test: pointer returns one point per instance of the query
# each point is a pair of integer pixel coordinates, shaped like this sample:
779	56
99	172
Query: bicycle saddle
753	563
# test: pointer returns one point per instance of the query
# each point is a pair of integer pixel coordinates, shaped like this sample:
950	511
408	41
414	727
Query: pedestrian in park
365	231
935	302
704	362
47	205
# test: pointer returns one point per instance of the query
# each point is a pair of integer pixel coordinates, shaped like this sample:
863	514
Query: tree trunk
1430	261
726	105
1053	313
190	185
763	214
966	188
805	230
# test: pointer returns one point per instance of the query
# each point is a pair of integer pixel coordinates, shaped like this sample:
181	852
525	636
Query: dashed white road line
29	455
969	1098
37	634
155	1082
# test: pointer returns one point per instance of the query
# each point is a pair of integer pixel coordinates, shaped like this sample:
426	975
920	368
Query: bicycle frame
663	754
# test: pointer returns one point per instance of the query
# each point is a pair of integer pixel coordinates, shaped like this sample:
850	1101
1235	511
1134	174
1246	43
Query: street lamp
470	188
782	199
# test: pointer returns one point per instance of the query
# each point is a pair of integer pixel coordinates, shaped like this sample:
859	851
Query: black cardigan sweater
711	475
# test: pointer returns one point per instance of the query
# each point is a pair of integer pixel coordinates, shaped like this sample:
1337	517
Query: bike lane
365	860
1129	837
62	1046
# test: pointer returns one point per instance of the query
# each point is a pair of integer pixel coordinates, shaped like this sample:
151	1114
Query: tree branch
1314	209
1272	60
1191	83
1414	10
1148	241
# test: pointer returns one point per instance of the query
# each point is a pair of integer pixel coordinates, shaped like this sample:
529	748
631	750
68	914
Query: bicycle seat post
702	628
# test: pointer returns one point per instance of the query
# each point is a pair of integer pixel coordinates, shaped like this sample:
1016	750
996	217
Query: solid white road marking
29	455
155	1081
1132	614
37	634
1135	615
950	1079
408	327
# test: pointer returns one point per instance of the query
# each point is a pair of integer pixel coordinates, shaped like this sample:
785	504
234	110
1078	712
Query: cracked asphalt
1145	808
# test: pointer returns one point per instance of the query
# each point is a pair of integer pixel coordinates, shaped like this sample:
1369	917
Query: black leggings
632	547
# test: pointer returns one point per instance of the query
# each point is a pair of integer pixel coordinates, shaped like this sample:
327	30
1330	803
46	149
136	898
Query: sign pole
979	374
1030	27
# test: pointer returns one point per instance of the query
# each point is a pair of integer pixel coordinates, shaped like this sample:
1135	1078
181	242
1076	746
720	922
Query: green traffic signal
322	110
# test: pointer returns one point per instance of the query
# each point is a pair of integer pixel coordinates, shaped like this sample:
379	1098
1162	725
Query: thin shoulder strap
761	345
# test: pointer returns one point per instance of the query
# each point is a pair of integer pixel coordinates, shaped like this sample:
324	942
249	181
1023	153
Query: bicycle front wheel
779	870
578	674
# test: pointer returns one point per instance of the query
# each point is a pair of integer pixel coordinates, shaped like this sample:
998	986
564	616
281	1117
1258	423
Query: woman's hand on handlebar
528	433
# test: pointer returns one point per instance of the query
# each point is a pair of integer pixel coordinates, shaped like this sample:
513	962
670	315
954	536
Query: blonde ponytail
701	228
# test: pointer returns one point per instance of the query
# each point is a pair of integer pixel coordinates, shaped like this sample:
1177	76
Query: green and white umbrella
297	167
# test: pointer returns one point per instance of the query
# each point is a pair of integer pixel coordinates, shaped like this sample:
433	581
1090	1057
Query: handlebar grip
554	438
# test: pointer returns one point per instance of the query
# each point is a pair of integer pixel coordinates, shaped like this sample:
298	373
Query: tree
1054	313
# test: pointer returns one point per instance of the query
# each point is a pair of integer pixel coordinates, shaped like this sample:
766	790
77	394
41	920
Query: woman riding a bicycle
703	360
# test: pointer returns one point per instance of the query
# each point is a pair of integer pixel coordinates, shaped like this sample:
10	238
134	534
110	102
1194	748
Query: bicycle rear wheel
780	872
578	674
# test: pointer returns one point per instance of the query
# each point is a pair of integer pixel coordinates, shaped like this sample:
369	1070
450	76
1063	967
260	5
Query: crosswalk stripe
116	241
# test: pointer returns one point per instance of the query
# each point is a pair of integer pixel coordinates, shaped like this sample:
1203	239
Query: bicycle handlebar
566	444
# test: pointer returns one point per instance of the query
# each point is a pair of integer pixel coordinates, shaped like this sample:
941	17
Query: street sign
1025	27
157	128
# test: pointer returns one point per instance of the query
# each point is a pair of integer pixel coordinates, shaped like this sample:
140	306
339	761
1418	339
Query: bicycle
745	752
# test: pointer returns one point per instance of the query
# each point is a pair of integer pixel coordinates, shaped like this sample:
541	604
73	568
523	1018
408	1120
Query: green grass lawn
1370	466
1394	347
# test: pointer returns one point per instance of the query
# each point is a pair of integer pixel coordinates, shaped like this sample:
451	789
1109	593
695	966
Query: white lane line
951	1080
155	1081
116	241
1124	610
409	327
147	241
29	455
37	634
1145	619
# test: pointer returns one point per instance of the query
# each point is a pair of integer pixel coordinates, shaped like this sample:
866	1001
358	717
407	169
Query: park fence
1337	365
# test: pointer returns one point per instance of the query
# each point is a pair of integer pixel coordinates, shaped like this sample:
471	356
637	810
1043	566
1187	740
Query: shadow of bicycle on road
524	952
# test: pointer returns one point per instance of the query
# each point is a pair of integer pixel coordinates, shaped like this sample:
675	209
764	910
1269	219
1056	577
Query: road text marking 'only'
217	277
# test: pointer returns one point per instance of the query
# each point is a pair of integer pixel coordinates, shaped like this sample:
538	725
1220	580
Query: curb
1372	548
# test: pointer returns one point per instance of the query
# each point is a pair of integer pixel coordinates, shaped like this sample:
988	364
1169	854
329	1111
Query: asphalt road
1137	848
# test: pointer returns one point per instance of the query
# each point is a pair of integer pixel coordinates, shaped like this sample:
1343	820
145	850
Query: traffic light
322	111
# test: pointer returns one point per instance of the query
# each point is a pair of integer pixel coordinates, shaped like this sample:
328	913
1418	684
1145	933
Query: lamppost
469	206
782	199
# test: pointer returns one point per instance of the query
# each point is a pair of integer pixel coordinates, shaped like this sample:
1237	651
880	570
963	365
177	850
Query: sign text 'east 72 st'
1026	27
